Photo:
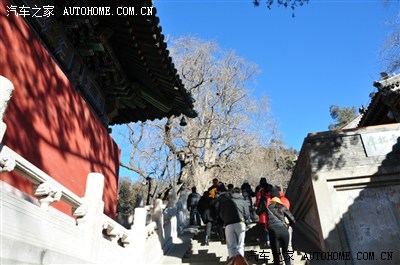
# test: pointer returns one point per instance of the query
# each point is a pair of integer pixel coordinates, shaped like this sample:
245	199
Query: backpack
262	207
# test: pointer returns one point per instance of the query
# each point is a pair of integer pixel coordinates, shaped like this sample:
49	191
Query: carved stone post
138	233
179	216
182	210
6	89
158	217
170	222
92	221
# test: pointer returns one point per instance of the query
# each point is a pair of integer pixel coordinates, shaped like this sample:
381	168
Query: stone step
254	254
216	253
220	251
264	256
204	257
175	254
196	248
202	263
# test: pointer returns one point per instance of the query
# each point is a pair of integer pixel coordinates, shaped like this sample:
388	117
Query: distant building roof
119	63
353	123
384	107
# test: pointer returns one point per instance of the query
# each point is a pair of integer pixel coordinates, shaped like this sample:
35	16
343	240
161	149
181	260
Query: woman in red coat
263	192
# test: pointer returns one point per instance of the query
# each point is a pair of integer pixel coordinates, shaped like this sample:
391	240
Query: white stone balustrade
6	90
150	229
47	236
38	178
49	193
115	231
141	243
87	230
7	161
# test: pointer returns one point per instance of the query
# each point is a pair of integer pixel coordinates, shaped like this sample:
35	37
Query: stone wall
345	194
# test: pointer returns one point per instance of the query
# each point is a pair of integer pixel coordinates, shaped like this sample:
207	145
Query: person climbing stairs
193	251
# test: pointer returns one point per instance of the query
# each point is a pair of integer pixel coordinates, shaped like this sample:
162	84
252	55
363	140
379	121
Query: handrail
49	190
150	229
45	185
116	231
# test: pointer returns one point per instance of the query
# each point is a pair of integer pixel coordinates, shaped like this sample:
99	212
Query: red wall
49	124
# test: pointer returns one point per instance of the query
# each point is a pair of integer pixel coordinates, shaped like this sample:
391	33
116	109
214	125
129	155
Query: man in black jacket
192	202
248	194
234	212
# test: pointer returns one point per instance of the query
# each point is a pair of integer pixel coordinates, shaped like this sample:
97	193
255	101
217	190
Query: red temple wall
48	123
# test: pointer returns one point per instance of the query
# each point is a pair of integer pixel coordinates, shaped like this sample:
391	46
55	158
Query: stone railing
44	235
6	90
88	224
91	225
45	187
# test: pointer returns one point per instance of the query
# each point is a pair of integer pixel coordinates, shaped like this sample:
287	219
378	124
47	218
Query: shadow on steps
216	253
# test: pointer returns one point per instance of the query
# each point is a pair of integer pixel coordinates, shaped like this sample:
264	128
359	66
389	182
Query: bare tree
390	55
229	121
390	52
292	4
275	162
218	80
150	158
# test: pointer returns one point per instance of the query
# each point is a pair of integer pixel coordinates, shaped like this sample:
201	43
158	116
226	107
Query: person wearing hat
278	228
285	201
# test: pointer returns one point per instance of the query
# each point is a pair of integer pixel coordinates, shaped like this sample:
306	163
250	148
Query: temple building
76	75
68	71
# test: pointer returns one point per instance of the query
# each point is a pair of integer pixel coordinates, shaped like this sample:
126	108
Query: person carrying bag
278	229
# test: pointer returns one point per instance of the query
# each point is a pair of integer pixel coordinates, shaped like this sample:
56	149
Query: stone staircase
192	251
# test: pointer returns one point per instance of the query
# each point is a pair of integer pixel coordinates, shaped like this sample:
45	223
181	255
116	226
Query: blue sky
327	54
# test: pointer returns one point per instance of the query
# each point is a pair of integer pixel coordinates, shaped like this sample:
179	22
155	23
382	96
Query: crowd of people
231	209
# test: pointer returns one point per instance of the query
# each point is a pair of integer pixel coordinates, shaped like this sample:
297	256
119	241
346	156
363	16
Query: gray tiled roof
120	64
